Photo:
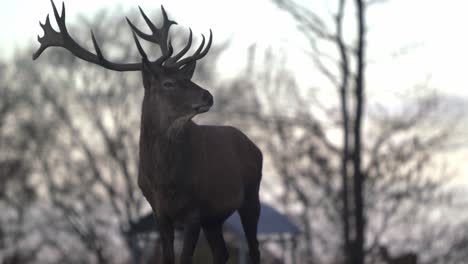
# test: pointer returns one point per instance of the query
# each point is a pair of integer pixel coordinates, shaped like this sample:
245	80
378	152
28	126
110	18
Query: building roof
271	222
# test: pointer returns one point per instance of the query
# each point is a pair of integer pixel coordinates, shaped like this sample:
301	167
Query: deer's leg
249	215
214	236
166	232
191	233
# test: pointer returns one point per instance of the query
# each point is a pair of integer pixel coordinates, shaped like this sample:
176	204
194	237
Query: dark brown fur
208	168
195	176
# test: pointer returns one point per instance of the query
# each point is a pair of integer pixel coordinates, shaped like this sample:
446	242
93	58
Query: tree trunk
358	176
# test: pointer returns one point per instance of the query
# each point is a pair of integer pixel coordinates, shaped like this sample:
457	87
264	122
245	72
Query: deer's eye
168	84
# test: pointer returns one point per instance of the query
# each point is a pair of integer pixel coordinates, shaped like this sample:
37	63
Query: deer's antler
160	36
63	39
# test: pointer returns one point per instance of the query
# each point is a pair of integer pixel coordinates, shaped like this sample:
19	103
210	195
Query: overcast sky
431	32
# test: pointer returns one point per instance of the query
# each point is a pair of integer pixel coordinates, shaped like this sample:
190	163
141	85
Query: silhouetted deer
194	176
406	258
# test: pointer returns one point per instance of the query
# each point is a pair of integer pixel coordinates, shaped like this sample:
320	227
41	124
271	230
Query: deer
193	176
406	258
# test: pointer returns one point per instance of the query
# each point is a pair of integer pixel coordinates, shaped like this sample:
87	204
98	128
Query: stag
193	176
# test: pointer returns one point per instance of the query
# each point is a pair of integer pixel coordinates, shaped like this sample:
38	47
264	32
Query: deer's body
193	176
209	169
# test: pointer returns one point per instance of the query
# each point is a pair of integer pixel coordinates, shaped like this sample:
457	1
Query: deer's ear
188	70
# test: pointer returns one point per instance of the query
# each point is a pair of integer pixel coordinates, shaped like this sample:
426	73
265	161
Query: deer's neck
163	156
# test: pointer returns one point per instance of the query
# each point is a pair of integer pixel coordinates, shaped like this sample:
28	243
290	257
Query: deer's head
170	95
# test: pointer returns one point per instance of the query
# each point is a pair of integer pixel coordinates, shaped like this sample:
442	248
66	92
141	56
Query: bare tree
361	166
18	195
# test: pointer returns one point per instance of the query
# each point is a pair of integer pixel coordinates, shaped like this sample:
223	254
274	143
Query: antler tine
63	39
158	36
166	56
148	21
198	53
179	55
190	58
155	37
159	61
139	32
139	47
167	23
48	31
60	19
96	48
208	46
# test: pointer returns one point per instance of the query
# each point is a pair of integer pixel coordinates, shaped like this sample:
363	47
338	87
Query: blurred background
358	106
